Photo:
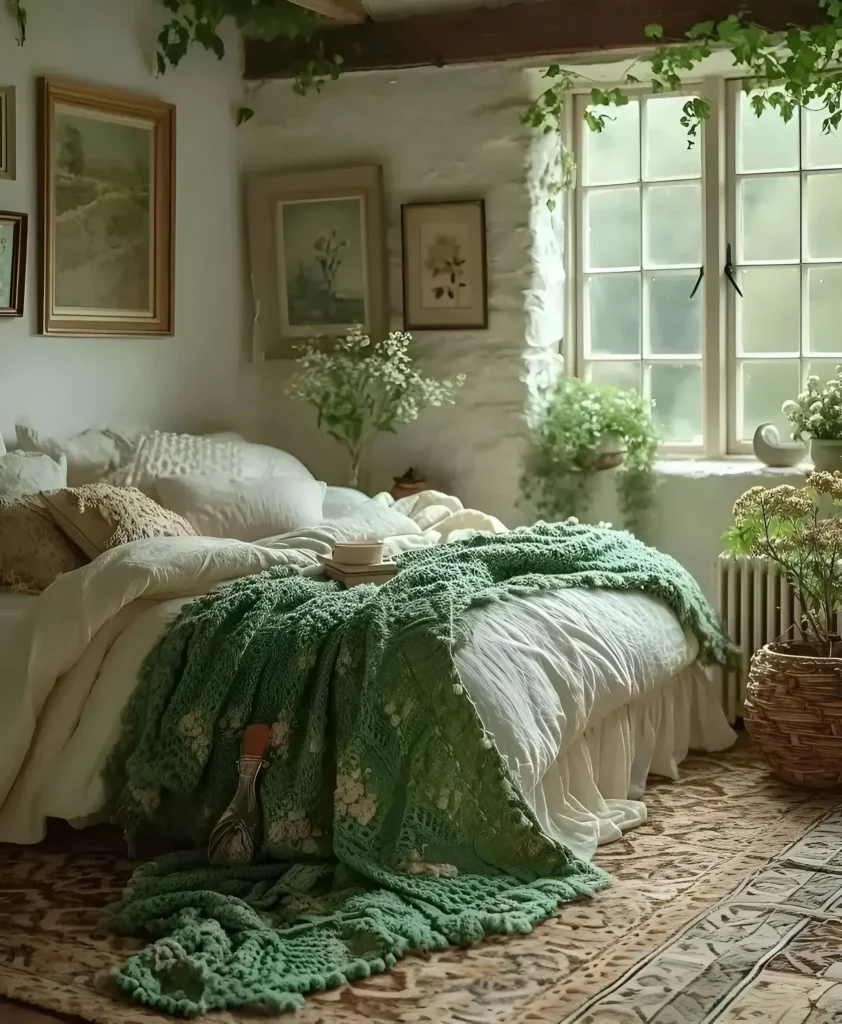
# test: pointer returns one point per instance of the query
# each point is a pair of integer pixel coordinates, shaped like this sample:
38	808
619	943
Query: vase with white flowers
361	388
817	414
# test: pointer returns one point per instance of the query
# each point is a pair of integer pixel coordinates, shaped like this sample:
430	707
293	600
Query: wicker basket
793	711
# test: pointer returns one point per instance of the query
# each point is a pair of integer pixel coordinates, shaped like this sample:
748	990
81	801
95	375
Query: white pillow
166	455
373	519
339	500
255	509
30	472
92	456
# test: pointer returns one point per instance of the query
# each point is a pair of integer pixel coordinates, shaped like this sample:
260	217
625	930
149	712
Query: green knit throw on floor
390	821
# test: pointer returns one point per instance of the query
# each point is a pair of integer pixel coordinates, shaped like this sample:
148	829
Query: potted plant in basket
817	414
360	388
584	429
793	707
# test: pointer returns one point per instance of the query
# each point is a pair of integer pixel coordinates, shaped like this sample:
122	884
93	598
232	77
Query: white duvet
584	691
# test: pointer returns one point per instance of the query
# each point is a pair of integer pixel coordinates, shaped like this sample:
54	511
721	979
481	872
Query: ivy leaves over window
784	71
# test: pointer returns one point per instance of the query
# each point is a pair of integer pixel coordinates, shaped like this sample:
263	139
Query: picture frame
107	229
445	270
14	231
317	244
8	133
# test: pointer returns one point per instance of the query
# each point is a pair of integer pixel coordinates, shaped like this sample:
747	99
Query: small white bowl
358	552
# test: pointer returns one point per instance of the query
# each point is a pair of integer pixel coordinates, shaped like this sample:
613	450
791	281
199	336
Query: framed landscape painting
13	236
318	255
107	186
8	132
445	280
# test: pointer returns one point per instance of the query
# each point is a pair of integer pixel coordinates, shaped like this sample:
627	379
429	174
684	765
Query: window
656	224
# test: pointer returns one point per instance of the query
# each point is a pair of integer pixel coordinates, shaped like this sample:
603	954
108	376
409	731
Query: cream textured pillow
98	517
92	456
28	473
166	455
33	550
219	506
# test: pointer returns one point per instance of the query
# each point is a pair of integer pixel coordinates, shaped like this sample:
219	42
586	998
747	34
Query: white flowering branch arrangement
817	413
785	525
361	388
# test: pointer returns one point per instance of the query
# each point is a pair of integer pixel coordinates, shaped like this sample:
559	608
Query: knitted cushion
33	550
98	517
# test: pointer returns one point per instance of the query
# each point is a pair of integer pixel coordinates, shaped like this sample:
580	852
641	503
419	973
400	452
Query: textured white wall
200	375
438	135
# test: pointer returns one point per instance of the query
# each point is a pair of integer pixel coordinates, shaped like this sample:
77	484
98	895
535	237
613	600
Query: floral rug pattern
726	907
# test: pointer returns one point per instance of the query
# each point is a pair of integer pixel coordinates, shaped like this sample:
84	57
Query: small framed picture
445	276
7	132
318	256
13	235
107	189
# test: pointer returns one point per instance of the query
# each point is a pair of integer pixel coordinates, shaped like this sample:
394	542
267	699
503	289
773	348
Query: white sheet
544	672
13	607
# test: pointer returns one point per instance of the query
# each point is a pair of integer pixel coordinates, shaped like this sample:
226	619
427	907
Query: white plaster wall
438	135
199	377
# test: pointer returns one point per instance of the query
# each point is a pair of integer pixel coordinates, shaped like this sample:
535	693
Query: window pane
613	235
769	314
665	150
823	216
824	369
613	315
820	149
766	143
674	320
673	219
677	392
612	157
824	309
621	375
769	214
765	386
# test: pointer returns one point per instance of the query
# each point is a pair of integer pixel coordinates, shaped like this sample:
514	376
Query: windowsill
733	466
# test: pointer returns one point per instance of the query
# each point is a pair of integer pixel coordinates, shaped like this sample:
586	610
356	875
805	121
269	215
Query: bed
584	692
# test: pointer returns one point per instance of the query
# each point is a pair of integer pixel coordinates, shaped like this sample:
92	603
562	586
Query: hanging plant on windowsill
198	23
782	71
585	429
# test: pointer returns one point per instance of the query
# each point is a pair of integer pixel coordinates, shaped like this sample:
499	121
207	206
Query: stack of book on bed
352	575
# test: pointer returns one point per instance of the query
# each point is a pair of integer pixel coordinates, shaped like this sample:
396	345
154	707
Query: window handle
729	272
698	284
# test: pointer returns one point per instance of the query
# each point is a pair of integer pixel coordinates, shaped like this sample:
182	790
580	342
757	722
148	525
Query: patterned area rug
727	907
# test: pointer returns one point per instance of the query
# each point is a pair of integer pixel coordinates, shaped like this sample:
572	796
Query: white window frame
717	382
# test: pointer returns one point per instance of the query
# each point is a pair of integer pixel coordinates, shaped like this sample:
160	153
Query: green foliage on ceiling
200	23
782	70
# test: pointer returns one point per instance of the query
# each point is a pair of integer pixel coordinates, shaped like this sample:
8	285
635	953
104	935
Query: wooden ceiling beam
535	29
348	11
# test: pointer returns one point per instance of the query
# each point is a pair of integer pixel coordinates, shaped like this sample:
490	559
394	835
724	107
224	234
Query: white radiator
757	606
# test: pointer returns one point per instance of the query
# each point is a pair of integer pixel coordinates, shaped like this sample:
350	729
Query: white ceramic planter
826	455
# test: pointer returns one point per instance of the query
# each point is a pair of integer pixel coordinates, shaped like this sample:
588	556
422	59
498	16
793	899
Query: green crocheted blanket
390	821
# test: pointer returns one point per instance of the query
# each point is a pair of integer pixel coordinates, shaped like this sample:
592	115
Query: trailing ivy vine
782	71
199	23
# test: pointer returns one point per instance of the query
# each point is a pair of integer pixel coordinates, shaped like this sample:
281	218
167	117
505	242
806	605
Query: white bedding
583	691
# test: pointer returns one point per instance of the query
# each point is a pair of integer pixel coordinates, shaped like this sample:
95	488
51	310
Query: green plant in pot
583	430
817	414
360	388
794	694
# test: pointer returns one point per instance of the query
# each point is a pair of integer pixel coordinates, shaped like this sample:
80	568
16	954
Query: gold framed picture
445	276
13	238
318	256
8	132
107	187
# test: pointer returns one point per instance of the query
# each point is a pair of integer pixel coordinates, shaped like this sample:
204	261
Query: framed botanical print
13	237
445	280
8	133
318	256
107	187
